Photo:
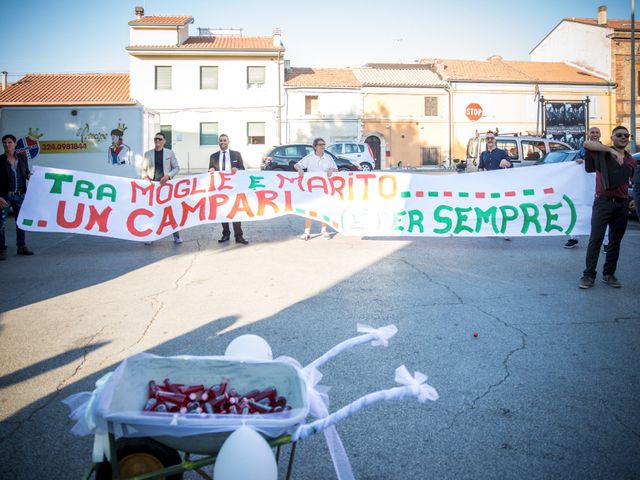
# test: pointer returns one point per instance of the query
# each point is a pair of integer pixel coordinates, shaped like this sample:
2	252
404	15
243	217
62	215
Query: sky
74	36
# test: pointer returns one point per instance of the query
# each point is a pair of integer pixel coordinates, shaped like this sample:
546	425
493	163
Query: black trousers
237	229
612	213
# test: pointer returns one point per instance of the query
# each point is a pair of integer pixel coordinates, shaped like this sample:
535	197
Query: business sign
546	200
473	112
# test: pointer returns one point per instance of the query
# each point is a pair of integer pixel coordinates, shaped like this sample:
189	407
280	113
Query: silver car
358	153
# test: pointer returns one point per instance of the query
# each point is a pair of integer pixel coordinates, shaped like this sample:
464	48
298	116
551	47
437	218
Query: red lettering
166	186
287	201
365	177
216	201
131	220
75	223
146	188
188	209
335	189
180	192
266	197
241	204
318	183
291	180
98	218
224	178
168	220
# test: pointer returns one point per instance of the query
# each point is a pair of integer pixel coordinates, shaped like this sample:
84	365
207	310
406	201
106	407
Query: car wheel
366	167
137	456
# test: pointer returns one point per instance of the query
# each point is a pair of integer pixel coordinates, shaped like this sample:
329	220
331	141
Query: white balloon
249	346
245	455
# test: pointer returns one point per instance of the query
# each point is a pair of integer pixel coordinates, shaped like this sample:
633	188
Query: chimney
4	81
277	37
139	12
602	15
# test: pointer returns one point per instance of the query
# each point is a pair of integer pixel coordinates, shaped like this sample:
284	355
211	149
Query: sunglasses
158	139
490	139
622	135
320	144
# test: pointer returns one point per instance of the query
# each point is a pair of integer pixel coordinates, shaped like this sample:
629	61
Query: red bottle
178	398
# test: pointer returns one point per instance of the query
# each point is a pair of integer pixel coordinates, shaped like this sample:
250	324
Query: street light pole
633	78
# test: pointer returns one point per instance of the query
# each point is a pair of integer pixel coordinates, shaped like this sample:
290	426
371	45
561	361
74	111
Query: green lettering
106	190
58	178
552	217
574	215
461	216
487	216
530	211
255	182
506	217
444	220
84	186
415	219
397	221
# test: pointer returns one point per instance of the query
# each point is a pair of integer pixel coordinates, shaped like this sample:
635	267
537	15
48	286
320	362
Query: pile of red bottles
177	397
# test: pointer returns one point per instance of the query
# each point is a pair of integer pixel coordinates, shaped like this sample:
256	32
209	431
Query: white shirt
314	163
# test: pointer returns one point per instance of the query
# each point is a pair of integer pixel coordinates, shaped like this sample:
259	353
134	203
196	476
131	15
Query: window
208	134
311	105
509	146
166	129
430	106
255	76
553	146
533	150
431	156
255	133
336	148
351	148
208	78
163	78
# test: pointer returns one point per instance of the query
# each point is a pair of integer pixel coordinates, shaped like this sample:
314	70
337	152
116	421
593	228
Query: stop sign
474	112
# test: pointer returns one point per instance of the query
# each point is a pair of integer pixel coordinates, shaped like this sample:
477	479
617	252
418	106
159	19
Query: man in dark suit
227	160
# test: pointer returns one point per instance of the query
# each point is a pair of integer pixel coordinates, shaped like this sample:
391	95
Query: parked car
523	150
285	157
558	156
359	153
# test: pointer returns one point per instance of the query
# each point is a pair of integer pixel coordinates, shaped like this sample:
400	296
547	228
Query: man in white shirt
318	161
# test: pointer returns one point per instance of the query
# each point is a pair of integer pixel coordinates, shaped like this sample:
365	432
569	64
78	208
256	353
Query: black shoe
586	282
571	243
23	250
611	280
225	238
242	241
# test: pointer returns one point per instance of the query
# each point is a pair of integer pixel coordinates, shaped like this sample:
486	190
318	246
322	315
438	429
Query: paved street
548	389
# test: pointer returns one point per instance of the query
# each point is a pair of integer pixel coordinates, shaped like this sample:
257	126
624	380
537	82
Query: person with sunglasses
318	161
614	168
493	158
160	165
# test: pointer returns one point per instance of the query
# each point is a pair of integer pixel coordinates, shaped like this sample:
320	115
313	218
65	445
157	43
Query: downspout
448	90
280	87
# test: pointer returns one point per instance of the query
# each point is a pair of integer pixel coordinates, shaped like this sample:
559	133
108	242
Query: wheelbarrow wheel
140	455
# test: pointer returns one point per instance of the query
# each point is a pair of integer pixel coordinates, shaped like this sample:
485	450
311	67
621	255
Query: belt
612	199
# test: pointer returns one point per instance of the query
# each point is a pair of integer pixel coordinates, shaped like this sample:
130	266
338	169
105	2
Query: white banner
542	200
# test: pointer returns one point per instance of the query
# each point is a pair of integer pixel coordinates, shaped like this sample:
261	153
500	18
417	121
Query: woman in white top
318	161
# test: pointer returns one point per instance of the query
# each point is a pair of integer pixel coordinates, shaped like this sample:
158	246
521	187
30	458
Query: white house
203	86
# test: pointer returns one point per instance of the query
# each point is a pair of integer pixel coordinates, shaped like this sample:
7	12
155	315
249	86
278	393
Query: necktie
224	161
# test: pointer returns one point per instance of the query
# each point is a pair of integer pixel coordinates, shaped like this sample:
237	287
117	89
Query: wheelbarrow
147	445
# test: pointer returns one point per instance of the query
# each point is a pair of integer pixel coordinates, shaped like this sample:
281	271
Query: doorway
374	143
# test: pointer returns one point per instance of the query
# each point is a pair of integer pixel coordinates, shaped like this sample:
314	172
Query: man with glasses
614	168
493	158
592	136
160	165
318	161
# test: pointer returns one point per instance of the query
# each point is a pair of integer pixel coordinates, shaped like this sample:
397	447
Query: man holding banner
160	165
614	167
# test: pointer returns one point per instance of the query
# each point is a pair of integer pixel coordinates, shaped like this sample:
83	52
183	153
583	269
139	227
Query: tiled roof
615	24
69	89
216	43
321	77
398	76
498	70
160	20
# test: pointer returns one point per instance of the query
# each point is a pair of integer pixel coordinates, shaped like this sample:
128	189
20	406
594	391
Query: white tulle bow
418	384
383	334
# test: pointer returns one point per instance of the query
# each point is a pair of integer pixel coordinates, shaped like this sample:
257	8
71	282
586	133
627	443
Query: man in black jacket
14	173
227	160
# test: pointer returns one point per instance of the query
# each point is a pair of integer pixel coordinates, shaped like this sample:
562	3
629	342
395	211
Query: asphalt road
548	389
